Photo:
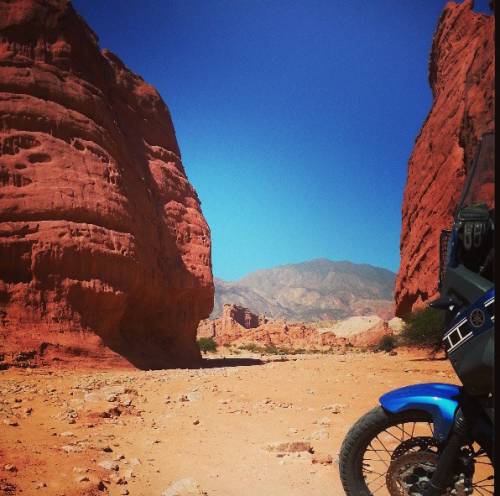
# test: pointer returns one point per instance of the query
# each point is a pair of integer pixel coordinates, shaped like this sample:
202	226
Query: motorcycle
437	439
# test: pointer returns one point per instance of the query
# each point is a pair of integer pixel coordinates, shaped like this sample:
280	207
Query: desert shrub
252	347
424	327
274	350
387	343
207	344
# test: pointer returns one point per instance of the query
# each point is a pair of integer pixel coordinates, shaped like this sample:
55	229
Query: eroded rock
104	251
461	76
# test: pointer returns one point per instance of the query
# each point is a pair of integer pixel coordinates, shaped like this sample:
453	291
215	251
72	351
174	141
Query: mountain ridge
317	289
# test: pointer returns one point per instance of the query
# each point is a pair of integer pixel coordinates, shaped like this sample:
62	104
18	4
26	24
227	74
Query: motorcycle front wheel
396	454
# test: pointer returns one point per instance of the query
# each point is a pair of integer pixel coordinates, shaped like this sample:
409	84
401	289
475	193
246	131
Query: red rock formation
103	247
231	329
461	75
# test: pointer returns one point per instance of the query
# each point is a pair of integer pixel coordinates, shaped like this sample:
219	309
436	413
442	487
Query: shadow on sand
209	363
431	358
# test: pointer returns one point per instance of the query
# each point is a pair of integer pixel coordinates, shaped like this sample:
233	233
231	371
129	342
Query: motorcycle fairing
438	399
462	327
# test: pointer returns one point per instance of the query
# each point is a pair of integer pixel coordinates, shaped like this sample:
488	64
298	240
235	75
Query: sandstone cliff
461	75
104	250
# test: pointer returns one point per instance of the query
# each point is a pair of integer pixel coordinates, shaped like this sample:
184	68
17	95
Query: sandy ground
73	432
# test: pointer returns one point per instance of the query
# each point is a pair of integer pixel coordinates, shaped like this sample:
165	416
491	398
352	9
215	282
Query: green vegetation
275	350
387	343
424	327
252	347
207	344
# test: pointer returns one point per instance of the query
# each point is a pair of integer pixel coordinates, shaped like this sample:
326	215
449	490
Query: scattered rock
290	447
184	487
109	465
194	396
71	448
11	423
322	459
335	408
67	434
320	435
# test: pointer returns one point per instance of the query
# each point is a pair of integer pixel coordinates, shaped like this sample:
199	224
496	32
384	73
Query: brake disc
410	474
423	443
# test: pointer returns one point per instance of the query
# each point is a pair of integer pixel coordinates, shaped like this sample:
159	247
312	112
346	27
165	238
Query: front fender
437	399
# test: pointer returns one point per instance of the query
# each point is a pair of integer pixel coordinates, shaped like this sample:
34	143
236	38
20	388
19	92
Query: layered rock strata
104	251
239	327
461	75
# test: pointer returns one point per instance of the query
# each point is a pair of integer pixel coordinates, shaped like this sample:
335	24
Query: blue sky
295	119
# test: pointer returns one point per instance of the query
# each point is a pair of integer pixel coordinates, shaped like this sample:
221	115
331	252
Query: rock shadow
209	363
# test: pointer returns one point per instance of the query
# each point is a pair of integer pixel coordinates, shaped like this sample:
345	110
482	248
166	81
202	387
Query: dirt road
75	432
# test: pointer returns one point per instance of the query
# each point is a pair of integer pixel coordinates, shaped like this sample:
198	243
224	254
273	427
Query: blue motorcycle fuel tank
438	399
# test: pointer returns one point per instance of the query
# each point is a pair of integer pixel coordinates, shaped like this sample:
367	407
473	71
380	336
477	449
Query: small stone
320	435
127	474
292	447
125	400
80	470
10	422
109	465
196	422
70	448
322	459
82	478
194	396
40	485
323	421
184	487
335	408
10	468
67	434
111	398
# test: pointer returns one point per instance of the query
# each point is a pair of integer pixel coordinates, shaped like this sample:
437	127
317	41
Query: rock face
461	75
319	289
104	250
239	326
362	331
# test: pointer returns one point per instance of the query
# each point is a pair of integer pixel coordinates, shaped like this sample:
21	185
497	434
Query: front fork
442	475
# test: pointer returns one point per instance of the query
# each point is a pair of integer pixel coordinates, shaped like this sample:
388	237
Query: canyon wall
461	76
104	251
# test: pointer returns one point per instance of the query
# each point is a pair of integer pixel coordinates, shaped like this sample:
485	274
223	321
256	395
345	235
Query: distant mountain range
311	291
